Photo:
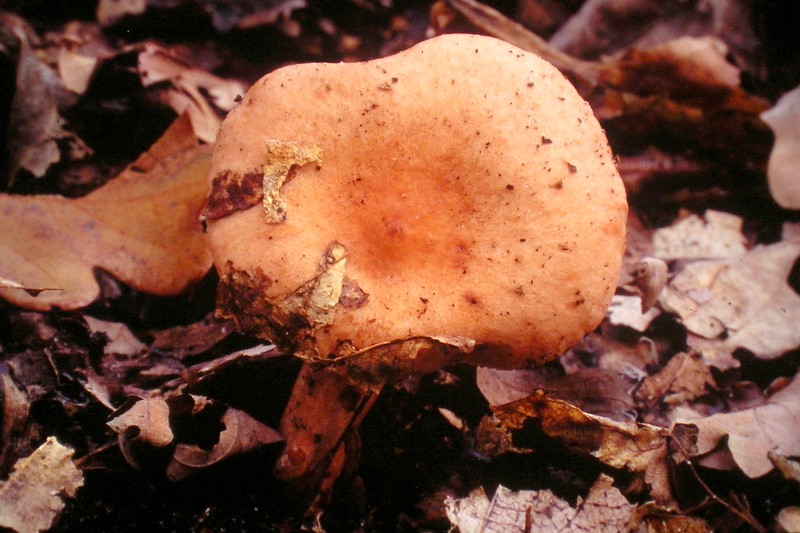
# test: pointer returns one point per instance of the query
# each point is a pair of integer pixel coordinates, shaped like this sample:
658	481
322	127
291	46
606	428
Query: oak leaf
754	433
637	447
741	302
142	227
604	509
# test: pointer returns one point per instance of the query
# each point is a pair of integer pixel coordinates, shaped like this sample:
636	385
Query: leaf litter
670	393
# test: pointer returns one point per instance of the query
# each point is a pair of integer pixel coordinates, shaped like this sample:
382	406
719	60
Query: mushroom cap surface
463	186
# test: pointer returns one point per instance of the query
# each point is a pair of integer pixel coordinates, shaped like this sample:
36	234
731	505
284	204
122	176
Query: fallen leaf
602	27
120	339
651	518
789	519
241	434
15	408
652	95
35	127
648	277
142	227
75	70
742	302
208	369
225	15
187	89
717	235
144	421
753	433
638	448
790	468
190	432
627	311
783	167
684	378
605	509
33	496
593	390
192	339
630	359
109	12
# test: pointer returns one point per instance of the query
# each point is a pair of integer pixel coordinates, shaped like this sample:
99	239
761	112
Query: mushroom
456	202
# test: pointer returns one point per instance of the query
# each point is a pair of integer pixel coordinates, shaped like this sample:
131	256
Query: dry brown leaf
33	496
144	422
593	390
214	432
110	11
15	408
602	27
654	93
142	227
187	89
34	129
630	359
241	434
627	311
753	433
120	338
605	509
684	378
651	518
717	235
789	519
192	339
75	70
225	16
744	302
783	168
639	448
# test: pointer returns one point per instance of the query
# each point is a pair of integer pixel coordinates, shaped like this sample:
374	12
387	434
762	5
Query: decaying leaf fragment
242	297
153	428
234	191
605	509
783	168
142	227
35	128
241	434
754	433
742	302
33	496
639	448
192	91
717	235
283	159
684	378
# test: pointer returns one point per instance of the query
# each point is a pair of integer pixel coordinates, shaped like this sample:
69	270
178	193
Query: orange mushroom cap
458	196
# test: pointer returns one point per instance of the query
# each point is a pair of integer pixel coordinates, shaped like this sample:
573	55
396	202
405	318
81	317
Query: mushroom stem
323	409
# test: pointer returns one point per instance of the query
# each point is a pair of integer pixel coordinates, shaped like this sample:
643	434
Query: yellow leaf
142	227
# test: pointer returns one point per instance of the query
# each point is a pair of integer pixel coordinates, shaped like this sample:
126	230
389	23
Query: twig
744	515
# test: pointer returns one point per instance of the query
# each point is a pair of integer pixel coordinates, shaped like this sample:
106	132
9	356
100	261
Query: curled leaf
242	434
639	448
